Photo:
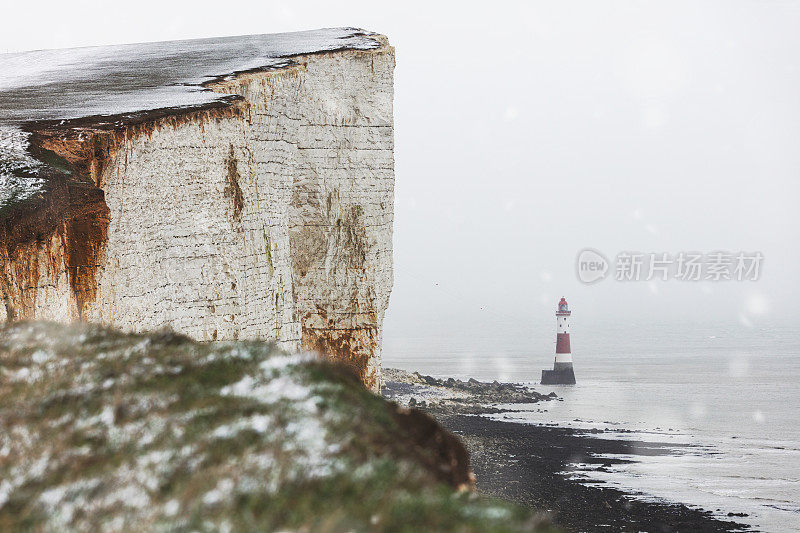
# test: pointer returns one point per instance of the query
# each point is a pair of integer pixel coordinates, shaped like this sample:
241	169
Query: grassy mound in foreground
100	430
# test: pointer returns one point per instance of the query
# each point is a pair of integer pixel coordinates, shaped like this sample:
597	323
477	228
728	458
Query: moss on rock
101	430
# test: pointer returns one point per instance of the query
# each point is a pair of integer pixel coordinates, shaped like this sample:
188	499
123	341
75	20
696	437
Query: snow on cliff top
111	80
18	169
55	85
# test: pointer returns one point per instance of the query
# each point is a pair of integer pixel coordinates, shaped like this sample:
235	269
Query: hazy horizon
530	131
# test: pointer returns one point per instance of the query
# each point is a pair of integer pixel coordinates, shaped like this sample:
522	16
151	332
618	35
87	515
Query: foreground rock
100	430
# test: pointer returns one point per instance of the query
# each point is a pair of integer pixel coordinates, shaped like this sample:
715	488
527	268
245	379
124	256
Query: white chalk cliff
264	212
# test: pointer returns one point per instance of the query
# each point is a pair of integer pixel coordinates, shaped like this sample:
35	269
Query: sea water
730	392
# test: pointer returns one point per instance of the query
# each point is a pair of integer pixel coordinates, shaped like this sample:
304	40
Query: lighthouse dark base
562	374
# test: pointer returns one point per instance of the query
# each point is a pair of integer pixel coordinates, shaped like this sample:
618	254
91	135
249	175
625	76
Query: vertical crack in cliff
232	189
350	238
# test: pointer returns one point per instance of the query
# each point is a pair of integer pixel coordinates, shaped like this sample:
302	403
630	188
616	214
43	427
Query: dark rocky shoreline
526	463
523	463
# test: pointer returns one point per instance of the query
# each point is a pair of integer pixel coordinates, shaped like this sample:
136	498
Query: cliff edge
236	188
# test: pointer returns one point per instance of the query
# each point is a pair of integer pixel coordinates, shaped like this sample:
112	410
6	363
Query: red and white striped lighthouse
562	373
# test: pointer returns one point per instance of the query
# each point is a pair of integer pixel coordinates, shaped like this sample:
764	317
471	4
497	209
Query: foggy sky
526	131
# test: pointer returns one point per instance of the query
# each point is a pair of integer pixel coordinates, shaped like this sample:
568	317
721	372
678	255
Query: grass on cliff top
100	430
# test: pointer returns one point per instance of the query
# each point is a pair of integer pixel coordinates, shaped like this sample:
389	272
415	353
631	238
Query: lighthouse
562	373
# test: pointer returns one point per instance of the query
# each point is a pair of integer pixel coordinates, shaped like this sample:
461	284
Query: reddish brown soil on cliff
90	143
73	212
353	347
86	238
66	228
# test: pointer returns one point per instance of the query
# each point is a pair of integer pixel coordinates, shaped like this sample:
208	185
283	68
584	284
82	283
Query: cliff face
266	213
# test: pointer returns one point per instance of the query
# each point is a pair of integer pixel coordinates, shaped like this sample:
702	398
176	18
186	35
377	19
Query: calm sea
733	392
